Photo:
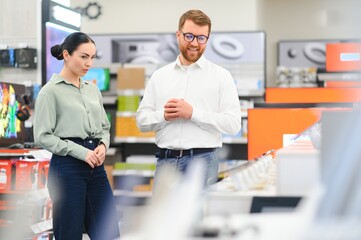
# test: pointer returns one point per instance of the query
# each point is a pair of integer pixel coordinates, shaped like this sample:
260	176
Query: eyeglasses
189	37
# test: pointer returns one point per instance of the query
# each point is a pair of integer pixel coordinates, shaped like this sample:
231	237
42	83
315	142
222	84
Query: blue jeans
82	197
209	160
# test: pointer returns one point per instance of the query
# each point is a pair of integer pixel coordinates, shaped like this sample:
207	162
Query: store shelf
233	140
227	140
108	100
130	92
111	152
125	114
126	193
134	140
30	206
133	172
342	76
251	93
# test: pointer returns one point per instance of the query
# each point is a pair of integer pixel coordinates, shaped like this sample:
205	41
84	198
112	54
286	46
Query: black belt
87	142
170	153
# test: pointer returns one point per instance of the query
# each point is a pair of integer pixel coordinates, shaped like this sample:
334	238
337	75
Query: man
189	103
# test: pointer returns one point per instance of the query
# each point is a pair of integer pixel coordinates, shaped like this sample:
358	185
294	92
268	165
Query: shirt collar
58	79
201	63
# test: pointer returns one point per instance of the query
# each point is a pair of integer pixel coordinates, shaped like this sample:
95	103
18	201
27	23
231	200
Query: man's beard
191	57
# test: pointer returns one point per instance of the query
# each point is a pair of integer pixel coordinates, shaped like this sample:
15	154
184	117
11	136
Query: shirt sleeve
105	137
148	118
228	119
44	125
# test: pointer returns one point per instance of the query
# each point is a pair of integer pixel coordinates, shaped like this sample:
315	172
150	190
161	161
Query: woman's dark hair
71	43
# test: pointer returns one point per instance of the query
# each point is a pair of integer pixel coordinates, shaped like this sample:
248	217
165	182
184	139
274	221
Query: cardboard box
43	170
128	103
130	78
5	175
25	175
127	127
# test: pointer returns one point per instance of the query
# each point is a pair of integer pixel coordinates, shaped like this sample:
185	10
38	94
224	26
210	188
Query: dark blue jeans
82	197
209	160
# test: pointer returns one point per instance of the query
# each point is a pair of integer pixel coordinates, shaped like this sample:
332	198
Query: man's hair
197	16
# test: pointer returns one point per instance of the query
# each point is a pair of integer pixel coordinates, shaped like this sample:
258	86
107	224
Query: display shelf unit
130	92
142	143
251	93
26	213
235	140
226	140
144	194
133	172
132	182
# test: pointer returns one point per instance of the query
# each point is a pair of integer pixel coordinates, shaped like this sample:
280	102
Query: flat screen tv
11	129
100	77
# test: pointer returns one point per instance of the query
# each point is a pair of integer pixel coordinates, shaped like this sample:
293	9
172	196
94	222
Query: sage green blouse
64	111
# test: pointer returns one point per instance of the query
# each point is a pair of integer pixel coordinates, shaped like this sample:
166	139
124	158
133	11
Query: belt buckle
180	153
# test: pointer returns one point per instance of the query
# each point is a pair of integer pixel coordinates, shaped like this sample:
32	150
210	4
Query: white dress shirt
208	88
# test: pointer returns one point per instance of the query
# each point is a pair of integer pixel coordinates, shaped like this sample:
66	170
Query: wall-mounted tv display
100	77
11	128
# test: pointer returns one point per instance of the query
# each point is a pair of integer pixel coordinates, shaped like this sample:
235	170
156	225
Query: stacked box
128	103
130	78
127	127
43	170
5	175
25	175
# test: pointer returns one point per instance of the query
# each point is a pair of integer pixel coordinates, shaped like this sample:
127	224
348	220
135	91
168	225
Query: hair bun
57	52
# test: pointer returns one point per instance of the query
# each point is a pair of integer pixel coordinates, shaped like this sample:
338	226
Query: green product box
128	103
134	166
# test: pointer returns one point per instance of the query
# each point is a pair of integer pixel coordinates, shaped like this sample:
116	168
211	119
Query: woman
70	121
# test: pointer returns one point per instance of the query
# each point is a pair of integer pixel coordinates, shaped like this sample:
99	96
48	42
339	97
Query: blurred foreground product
176	204
338	211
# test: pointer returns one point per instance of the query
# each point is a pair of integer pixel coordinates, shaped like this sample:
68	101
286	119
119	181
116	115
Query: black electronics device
274	204
26	58
7	58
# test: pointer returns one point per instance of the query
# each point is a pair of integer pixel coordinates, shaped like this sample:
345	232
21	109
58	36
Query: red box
43	170
25	175
5	175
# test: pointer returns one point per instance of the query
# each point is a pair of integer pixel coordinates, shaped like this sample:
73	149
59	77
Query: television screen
55	34
11	128
100	77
